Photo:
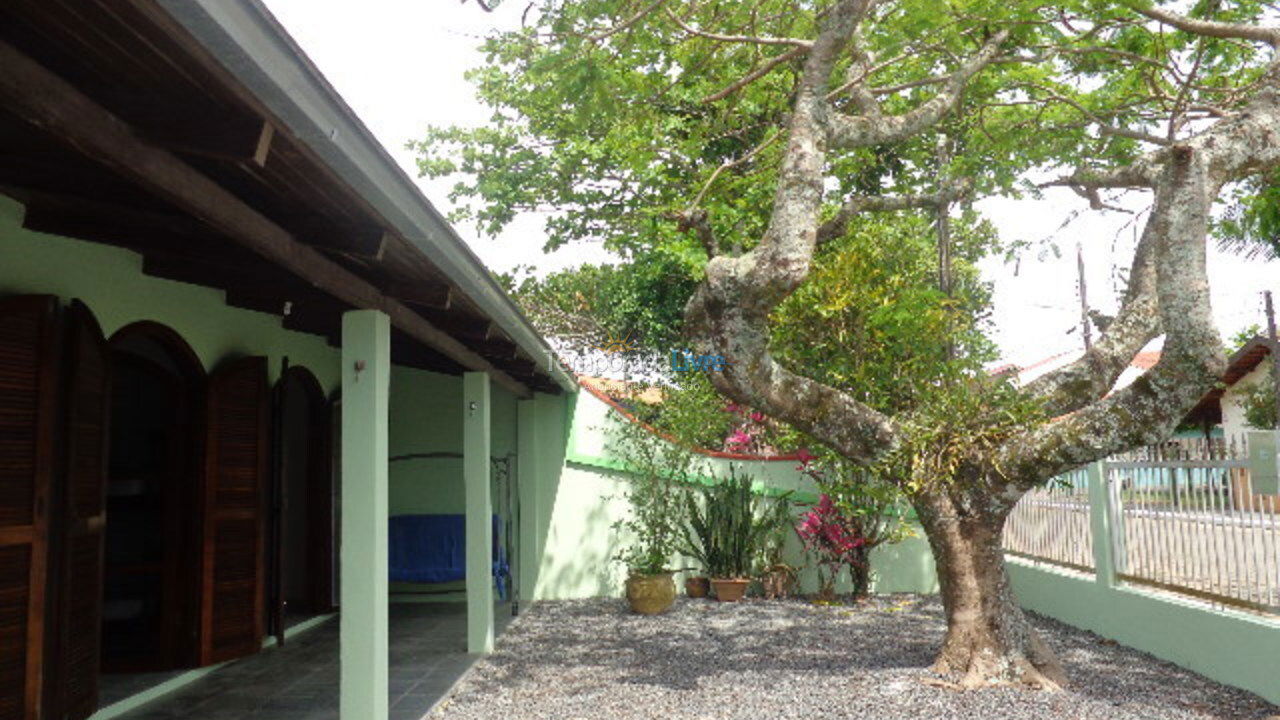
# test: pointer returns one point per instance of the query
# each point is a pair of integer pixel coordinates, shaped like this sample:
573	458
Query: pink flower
757	416
738	439
731	408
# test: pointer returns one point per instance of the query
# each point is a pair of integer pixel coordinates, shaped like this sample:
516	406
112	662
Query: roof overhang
250	42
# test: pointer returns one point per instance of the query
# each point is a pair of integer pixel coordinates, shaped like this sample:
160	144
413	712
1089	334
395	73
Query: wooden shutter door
236	466
320	555
79	521
27	416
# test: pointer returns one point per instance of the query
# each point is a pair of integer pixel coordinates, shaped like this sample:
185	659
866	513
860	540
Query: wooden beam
249	279
41	97
200	129
434	297
369	242
110	223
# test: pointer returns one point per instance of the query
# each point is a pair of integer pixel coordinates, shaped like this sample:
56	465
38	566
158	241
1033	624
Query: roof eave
250	43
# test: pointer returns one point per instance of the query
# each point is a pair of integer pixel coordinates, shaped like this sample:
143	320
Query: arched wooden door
300	551
152	574
27	424
237	461
79	518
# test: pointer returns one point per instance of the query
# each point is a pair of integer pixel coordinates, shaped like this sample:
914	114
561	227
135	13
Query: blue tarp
433	549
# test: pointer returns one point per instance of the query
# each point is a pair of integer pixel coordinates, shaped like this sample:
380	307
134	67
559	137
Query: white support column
475	472
528	467
366	378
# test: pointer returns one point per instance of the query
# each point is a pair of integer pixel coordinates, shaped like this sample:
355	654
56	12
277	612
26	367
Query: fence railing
1051	524
1182	516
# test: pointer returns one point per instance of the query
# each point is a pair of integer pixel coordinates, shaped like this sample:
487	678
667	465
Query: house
234	339
1225	404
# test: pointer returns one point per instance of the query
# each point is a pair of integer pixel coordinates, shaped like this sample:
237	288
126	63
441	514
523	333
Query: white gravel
790	659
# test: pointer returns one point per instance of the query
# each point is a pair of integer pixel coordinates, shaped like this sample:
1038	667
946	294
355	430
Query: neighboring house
234	339
1225	405
1141	363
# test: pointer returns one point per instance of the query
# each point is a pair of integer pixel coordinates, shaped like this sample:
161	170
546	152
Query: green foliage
949	434
1250	225
613	120
642	300
727	525
876	507
656	470
1259	399
870	318
1260	404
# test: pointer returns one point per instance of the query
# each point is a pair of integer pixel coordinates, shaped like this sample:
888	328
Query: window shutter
79	518
27	415
236	466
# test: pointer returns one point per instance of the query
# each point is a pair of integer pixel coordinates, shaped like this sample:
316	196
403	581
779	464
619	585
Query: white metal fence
1182	516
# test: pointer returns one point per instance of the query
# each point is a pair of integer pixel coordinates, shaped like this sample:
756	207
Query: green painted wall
110	281
426	417
583	497
1230	647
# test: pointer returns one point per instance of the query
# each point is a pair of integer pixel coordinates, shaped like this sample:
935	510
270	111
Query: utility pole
1085	328
1275	352
943	221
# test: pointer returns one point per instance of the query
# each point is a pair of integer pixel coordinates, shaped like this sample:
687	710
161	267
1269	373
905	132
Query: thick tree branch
857	204
877	129
1138	322
729	312
696	220
1213	28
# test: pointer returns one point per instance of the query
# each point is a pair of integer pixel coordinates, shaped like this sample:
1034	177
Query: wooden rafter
46	100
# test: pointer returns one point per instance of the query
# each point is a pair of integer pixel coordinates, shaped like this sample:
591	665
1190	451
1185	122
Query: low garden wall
580	541
1232	647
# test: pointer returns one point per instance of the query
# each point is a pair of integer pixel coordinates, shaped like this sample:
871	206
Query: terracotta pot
651	594
697	587
730	589
779	582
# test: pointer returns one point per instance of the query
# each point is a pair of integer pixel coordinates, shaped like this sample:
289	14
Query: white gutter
251	44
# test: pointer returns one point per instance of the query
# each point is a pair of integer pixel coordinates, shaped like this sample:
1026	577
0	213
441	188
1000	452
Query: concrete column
528	473
475	473
366	378
1103	524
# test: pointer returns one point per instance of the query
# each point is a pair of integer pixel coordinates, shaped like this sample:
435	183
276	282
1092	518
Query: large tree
744	137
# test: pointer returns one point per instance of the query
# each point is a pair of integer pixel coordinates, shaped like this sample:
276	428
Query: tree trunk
988	641
860	572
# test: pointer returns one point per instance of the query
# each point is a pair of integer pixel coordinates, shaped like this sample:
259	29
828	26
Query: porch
299	681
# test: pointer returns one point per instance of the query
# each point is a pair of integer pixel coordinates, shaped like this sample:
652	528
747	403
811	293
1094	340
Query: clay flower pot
651	594
697	587
730	589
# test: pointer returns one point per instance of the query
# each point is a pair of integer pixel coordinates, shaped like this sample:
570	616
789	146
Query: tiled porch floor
300	680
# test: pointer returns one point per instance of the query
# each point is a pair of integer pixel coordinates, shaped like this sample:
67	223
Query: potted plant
725	528
778	579
654	473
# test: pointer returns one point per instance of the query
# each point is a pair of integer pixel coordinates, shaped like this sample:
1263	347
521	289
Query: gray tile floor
300	680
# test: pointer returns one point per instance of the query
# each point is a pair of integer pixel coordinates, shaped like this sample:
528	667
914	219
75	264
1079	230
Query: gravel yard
790	659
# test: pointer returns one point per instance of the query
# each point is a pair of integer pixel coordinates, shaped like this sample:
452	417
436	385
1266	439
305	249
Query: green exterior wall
1230	647
584	497
110	281
426	417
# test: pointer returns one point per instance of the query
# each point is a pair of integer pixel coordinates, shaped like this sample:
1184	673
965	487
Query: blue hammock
433	549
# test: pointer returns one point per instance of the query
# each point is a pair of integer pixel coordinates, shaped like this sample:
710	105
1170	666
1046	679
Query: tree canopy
802	162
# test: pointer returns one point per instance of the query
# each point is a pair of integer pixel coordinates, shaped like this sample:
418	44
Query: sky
399	64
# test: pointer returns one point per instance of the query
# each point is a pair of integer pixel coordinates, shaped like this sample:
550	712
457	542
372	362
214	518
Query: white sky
399	64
